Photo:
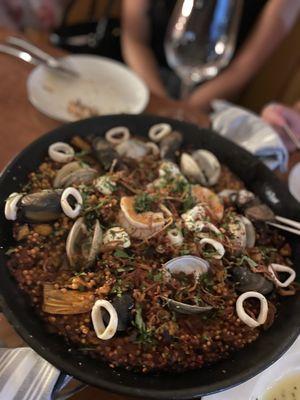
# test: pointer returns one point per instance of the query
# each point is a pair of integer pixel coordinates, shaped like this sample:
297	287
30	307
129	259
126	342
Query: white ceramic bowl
106	85
290	365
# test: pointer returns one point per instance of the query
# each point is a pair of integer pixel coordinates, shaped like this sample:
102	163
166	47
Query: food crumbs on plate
80	110
287	388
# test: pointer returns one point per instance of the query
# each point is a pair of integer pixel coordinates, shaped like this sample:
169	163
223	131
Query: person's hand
177	109
280	116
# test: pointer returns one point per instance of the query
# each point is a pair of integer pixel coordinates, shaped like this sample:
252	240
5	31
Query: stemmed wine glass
201	39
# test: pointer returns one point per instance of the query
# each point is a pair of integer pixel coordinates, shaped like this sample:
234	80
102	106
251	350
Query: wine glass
201	39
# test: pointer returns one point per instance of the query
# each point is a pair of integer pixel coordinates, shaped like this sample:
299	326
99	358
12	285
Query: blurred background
68	24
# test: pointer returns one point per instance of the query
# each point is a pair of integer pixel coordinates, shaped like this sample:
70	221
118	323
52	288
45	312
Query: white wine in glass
201	38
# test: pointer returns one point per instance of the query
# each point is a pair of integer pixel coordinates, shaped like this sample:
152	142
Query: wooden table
20	124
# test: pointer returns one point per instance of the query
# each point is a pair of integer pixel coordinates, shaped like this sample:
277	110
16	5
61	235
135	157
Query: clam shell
209	166
80	240
190	168
184	308
188	265
72	173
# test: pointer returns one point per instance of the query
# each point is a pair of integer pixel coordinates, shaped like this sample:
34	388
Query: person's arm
135	44
276	20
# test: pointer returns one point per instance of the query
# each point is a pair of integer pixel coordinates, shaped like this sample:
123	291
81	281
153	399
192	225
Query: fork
288	225
34	55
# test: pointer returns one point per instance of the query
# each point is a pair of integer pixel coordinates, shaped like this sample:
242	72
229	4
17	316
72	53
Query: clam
201	167
43	206
74	173
133	148
246	280
83	244
184	308
123	306
104	152
170	144
189	265
242	232
209	165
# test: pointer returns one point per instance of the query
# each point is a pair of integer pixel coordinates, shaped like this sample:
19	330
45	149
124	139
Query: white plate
106	85
254	388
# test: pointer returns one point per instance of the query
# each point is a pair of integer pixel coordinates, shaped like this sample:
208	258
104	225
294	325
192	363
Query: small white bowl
106	85
290	365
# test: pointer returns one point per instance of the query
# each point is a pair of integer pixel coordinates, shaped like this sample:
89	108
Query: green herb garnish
188	203
144	202
249	260
122	254
145	334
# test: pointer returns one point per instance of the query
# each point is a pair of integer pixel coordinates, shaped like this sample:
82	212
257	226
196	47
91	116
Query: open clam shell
187	265
83	245
201	167
184	308
74	172
242	232
209	165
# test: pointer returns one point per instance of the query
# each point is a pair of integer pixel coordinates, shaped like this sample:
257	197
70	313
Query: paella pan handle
60	392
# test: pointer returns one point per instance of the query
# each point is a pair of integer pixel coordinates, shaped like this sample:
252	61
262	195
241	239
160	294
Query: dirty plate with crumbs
104	87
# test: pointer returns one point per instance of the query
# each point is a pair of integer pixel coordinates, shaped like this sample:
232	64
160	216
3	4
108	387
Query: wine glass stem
185	88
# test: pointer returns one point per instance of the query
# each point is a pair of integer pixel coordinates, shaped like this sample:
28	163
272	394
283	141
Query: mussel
123	306
74	173
104	152
83	244
246	280
43	206
170	144
201	167
189	265
260	212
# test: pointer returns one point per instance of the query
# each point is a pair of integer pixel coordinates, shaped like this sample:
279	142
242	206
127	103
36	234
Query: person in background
264	24
41	15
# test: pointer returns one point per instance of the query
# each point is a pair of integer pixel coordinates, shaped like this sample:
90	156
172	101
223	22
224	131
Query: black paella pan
241	365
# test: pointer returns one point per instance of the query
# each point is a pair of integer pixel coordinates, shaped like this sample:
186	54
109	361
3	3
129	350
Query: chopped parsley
188	203
144	202
145	334
249	260
122	254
